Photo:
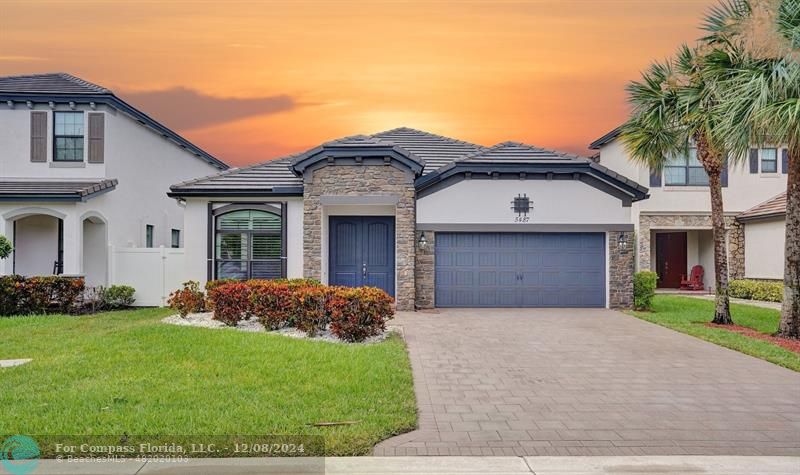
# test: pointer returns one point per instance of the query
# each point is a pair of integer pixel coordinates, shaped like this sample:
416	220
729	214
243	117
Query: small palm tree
757	45
674	105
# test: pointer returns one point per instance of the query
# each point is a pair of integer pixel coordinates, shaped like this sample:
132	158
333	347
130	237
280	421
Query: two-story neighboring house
80	169
673	226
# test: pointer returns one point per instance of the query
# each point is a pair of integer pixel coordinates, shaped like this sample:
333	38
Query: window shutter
38	136
723	176
96	137
785	161
655	178
753	160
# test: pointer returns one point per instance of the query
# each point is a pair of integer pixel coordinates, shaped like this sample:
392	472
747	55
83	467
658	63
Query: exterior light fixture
423	241
622	241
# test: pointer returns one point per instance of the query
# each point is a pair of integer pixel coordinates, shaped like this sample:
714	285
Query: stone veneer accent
425	272
360	180
621	263
735	236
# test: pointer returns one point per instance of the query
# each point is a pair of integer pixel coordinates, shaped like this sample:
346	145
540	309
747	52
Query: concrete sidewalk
662	465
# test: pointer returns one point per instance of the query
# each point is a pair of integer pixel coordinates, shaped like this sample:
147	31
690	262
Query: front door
670	259
362	251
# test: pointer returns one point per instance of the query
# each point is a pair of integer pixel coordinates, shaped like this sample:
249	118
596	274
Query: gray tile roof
47	190
605	139
435	150
772	208
432	150
50	83
269	177
515	151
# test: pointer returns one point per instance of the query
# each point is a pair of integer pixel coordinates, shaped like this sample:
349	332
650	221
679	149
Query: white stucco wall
196	235
744	189
144	162
569	202
764	249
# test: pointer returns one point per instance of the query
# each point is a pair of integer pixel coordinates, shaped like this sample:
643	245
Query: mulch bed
786	343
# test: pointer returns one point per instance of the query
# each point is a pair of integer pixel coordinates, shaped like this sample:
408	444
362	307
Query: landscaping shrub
309	309
213	284
5	247
358	313
271	302
231	302
189	299
644	289
117	297
38	295
756	290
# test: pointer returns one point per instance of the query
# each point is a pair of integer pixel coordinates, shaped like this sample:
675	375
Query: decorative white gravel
205	320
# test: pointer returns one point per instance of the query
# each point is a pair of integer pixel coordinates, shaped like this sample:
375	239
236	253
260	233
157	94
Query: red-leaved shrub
271	302
309	309
189	299
358	313
231	302
38	295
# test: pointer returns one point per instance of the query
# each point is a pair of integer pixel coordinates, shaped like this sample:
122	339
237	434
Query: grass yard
126	372
690	315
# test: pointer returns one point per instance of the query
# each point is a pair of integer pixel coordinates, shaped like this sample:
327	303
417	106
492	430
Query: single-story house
434	221
764	230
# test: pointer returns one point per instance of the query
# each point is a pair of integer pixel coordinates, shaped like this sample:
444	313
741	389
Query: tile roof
434	150
773	207
46	190
516	151
438	153
50	83
431	149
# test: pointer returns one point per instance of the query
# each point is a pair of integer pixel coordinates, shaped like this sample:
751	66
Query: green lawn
126	372
689	315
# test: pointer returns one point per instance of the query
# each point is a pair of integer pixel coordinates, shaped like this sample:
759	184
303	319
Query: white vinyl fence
153	272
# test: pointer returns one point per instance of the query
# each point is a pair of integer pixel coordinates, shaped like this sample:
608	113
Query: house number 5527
522	219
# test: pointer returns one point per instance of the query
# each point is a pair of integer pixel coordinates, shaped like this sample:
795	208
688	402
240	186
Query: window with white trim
68	136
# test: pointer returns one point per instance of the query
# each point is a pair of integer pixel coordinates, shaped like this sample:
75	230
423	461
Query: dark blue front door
362	251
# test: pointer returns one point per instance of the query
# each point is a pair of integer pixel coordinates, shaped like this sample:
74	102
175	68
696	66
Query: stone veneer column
425	272
735	248
621	268
362	180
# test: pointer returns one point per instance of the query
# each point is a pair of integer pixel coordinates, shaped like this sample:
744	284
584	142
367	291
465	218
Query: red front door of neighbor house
670	259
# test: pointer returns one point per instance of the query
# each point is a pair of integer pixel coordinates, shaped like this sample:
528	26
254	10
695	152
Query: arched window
249	244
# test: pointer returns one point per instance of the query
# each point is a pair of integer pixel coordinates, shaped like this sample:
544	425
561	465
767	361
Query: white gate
153	272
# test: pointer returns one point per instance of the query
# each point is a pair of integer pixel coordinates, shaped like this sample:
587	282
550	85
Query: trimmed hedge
351	314
756	290
39	295
644	289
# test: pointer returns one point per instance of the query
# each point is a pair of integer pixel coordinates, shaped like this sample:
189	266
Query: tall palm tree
757	45
674	105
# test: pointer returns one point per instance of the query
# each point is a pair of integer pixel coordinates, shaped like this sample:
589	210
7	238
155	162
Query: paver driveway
587	382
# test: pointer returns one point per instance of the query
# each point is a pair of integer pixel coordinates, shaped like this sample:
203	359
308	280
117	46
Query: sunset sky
253	80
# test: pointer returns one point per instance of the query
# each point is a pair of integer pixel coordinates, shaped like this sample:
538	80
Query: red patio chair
695	280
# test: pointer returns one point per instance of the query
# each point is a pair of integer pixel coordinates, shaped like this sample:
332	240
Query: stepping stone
10	363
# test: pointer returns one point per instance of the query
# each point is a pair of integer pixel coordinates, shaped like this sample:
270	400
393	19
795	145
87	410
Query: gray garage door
520	270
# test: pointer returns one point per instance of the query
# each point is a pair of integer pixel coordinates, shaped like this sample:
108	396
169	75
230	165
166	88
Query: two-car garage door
520	270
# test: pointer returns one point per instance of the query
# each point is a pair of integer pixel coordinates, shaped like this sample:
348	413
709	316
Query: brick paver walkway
587	382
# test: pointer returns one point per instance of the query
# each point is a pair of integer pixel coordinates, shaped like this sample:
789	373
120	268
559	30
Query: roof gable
774	207
357	148
63	88
606	139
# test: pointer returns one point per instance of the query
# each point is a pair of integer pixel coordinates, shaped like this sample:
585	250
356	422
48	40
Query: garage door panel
520	269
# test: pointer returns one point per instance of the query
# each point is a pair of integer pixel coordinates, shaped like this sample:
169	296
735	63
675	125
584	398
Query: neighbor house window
685	170
68	137
249	245
176	238
148	235
769	160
